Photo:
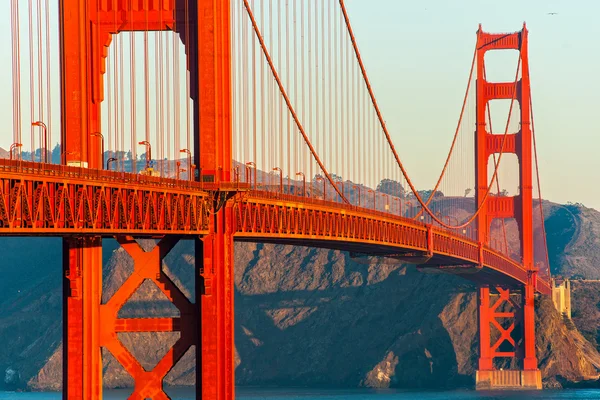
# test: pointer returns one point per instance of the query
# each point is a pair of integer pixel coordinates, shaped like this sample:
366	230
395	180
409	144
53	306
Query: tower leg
82	288
484	319
214	299
502	315
531	377
147	265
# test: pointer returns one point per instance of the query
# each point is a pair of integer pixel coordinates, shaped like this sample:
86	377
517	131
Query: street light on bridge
251	164
399	205
303	182
148	152
324	192
387	201
280	178
98	134
45	134
112	159
409	208
357	187
374	199
342	184
189	162
13	147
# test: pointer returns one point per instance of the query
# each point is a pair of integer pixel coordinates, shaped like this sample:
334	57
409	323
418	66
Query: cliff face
323	318
573	240
303	317
585	306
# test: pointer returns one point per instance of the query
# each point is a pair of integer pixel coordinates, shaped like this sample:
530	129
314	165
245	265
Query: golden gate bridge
264	127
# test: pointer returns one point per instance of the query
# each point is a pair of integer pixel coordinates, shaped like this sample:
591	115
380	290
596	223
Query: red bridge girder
43	199
263	217
37	199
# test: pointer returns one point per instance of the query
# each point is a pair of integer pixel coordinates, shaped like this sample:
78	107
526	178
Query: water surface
306	394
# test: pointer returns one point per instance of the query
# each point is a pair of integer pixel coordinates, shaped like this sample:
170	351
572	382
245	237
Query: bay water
314	394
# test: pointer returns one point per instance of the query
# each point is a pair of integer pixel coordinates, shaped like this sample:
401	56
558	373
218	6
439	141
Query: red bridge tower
86	30
499	313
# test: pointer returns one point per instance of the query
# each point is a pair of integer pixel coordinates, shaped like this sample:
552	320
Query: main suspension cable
393	149
288	102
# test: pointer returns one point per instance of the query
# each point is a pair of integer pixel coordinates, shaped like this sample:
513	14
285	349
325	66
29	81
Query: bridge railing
66	172
451	243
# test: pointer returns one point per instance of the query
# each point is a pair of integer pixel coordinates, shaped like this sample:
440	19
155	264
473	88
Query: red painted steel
147	265
73	201
520	206
493	314
214	296
86	32
211	64
44	198
82	286
265	216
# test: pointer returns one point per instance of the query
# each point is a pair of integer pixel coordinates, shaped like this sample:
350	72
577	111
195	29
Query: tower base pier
508	380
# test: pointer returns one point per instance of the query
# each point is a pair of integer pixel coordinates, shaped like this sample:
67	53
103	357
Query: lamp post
13	147
387	201
357	187
374	199
342	184
252	165
189	157
399	205
449	217
45	134
419	211
324	192
109	161
98	134
409	209
280	178
303	183
148	152
177	169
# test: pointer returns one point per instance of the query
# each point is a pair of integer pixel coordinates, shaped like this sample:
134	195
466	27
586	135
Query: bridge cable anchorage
393	149
289	104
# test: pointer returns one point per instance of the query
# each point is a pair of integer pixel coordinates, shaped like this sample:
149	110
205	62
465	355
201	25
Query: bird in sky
552	13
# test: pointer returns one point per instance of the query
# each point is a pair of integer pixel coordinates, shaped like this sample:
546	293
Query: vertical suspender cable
16	71
254	105
48	76
40	76
537	173
31	80
189	64
288	102
329	99
292	173
122	96
147	80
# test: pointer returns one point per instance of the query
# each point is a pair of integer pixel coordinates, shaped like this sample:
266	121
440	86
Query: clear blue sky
418	56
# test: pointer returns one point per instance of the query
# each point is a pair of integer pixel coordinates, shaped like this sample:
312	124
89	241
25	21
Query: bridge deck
42	199
288	219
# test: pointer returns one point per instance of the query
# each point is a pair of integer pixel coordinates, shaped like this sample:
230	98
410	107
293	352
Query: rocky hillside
303	316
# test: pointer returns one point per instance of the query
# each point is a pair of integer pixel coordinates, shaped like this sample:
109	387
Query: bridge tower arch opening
496	304
86	31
